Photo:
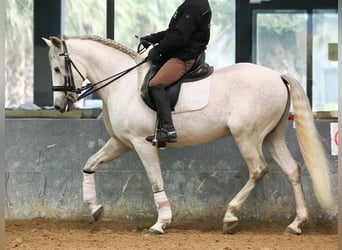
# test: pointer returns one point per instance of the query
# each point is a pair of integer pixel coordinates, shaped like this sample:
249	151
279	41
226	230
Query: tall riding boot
167	132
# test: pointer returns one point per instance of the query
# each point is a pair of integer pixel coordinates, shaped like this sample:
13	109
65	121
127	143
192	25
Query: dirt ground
50	234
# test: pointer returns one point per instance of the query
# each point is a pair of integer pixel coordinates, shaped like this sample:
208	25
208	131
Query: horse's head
66	78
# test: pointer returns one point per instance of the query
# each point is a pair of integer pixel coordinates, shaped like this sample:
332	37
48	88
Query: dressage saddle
198	71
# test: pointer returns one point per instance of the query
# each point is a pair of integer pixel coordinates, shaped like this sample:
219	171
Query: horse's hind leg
275	143
257	166
111	150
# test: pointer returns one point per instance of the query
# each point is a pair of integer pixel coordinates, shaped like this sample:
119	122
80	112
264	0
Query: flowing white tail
310	145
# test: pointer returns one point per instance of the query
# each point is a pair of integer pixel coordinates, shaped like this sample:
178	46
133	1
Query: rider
176	49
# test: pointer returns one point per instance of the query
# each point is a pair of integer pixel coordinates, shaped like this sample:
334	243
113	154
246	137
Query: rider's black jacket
188	32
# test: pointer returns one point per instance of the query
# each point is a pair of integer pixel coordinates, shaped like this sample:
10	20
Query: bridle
69	83
88	88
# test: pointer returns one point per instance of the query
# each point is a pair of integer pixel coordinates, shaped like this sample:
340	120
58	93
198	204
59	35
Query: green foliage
18	52
136	17
223	23
85	17
19	24
281	22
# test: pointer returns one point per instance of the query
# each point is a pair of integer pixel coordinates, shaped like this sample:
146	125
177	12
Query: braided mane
113	44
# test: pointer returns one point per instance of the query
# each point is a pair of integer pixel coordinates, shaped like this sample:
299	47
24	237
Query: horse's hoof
98	213
229	226
151	232
292	231
161	144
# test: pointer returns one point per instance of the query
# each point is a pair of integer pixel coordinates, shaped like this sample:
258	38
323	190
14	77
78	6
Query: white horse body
247	101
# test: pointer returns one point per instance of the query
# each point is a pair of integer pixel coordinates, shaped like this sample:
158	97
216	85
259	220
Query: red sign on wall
334	138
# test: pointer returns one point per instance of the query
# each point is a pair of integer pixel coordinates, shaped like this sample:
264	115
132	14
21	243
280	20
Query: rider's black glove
154	55
145	43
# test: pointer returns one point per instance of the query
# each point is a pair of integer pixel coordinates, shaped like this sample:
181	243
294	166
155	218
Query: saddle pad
193	95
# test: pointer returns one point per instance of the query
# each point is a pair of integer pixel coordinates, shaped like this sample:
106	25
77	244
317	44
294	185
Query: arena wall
45	158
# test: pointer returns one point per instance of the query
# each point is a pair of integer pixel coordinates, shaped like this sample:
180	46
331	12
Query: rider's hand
145	43
154	55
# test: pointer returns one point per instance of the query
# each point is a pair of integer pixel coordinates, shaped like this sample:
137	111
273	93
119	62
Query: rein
90	88
69	83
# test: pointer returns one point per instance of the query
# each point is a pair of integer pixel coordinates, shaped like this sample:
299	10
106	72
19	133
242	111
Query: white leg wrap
164	211
89	193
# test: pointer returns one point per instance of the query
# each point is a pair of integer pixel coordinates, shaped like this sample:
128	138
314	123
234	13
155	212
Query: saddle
198	71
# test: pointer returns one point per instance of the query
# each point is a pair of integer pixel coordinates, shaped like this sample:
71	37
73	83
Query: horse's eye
57	70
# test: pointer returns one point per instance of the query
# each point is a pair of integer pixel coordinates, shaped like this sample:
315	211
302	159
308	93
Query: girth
199	70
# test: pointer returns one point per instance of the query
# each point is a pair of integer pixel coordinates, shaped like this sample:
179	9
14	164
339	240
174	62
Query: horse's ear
56	42
47	41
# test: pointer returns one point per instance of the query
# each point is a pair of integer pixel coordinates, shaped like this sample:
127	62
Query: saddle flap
193	95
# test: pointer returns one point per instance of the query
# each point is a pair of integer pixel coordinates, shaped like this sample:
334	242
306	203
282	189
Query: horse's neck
102	61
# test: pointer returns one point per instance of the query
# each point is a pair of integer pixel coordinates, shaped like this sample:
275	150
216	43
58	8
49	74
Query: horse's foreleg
111	150
257	169
150	159
164	213
89	195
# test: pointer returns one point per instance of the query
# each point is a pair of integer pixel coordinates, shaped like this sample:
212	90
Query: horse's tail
310	145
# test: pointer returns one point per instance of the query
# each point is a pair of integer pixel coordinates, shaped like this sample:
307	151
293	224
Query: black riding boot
167	132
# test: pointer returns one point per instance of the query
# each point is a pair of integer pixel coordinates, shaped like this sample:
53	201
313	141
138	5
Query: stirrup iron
153	139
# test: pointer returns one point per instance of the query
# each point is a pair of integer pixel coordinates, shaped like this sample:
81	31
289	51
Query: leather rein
89	88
